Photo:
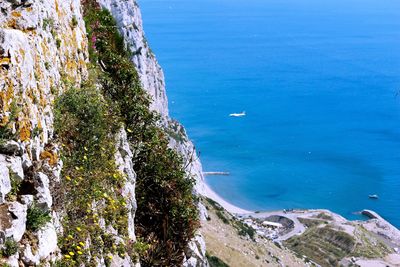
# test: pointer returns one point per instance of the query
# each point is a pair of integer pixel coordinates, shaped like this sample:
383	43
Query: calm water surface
318	80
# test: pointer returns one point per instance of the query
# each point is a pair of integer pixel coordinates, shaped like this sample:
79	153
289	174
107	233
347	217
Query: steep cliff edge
67	198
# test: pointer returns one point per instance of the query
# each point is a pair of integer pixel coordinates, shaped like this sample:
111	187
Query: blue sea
319	82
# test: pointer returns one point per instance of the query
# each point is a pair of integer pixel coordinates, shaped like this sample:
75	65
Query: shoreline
208	192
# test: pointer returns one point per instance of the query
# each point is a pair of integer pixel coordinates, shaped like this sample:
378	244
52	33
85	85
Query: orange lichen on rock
25	132
16	14
12	23
5	97
5	61
50	156
4	121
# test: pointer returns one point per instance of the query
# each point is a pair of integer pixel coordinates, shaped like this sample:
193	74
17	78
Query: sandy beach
225	204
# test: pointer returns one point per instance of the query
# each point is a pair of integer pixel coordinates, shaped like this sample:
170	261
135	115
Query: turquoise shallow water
319	82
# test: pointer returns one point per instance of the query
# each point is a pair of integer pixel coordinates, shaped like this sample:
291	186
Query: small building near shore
272	224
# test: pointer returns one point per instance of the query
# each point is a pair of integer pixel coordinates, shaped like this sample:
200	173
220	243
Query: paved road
298	226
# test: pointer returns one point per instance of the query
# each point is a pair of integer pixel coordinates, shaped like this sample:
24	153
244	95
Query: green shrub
221	215
6	132
245	230
86	126
167	217
15	185
36	218
214	261
48	22
58	43
10	247
74	21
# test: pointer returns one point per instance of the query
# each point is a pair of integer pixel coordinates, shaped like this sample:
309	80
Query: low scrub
36	218
91	186
324	245
214	261
10	247
86	121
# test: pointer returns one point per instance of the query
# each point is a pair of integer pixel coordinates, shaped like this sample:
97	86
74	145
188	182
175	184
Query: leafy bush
10	247
36	218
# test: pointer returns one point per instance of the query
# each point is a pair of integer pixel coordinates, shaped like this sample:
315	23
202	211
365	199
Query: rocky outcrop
124	162
43	47
129	20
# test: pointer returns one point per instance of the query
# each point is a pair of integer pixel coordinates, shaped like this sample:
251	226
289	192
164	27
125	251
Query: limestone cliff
43	53
129	21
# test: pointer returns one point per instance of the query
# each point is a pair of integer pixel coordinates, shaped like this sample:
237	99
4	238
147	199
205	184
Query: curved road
298	226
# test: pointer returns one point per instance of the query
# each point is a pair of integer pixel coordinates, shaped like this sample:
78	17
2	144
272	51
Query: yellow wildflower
115	176
68	178
78	247
109	256
80	252
129	130
67	256
78	229
82	244
85	157
71	253
70	236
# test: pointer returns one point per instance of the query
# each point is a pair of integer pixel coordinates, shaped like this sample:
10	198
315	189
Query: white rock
28	257
13	260
123	158
9	166
202	212
195	255
43	195
5	183
27	199
117	261
47	237
15	166
13	219
129	20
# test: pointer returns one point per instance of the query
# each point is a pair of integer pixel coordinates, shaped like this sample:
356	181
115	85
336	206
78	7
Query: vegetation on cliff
86	122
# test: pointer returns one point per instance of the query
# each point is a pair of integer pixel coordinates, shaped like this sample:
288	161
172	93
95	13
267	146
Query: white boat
373	196
238	114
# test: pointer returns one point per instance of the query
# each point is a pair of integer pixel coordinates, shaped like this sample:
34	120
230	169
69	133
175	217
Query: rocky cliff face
129	21
43	52
41	43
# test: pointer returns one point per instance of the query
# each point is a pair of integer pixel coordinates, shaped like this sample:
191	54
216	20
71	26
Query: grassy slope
224	241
